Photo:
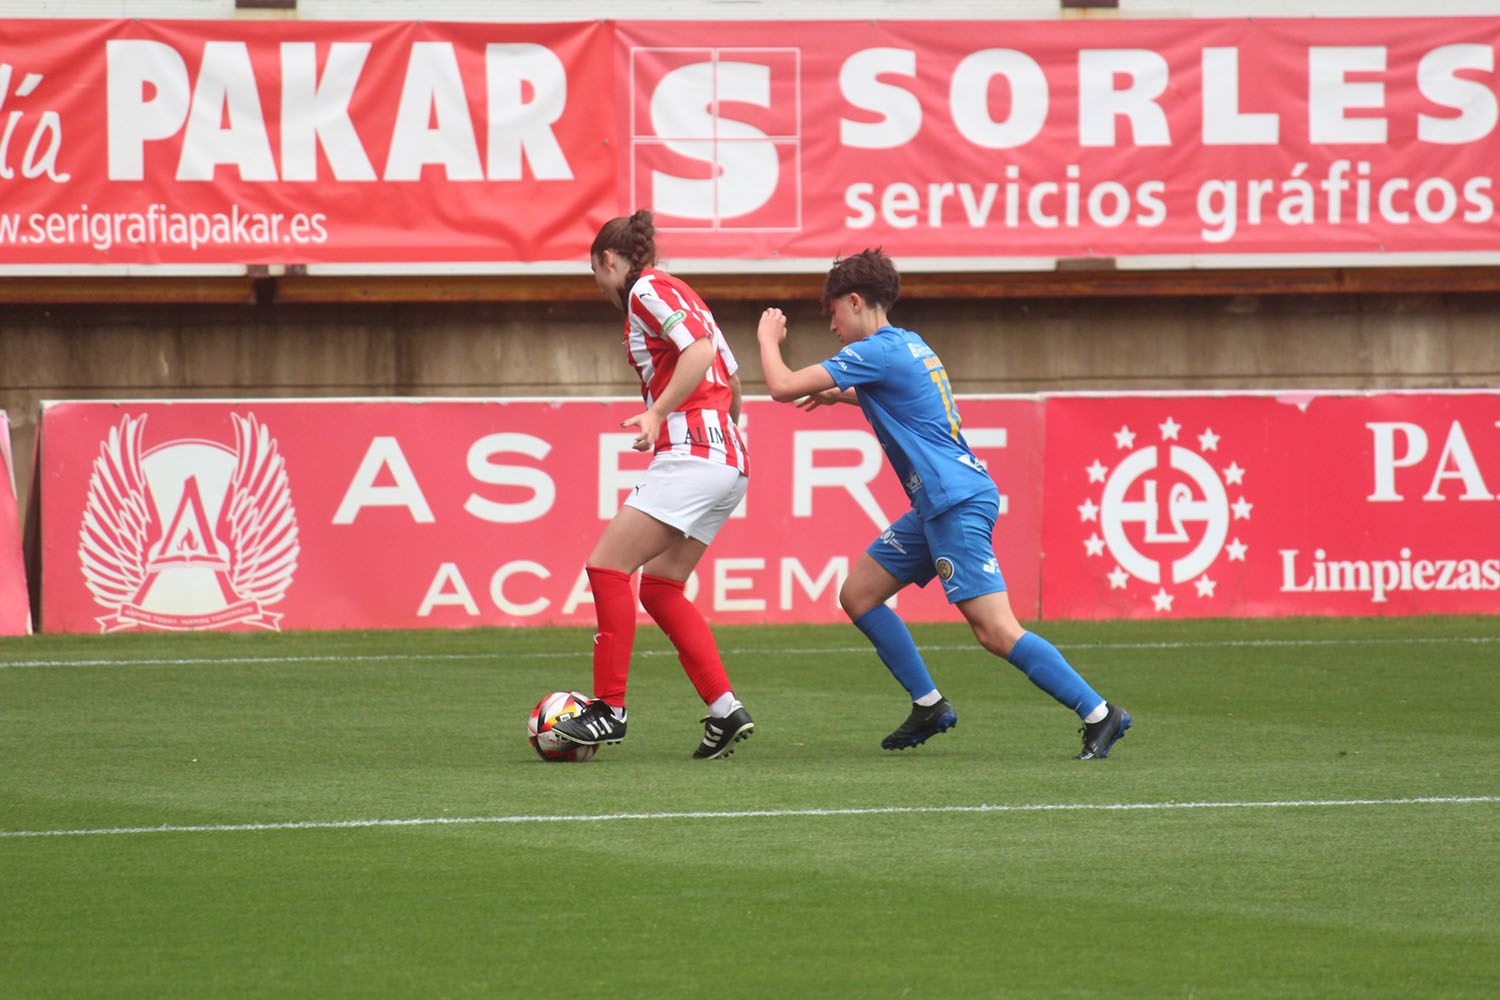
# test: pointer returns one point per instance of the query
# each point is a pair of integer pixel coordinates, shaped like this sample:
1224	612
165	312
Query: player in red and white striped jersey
697	477
666	317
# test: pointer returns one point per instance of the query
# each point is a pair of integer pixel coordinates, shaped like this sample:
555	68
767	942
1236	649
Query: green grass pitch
1306	809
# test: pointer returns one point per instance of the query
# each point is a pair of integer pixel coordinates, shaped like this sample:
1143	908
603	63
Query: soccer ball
548	712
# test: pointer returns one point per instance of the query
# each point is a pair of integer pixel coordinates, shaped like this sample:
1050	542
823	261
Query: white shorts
693	495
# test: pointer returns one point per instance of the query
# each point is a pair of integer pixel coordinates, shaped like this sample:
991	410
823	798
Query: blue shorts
957	546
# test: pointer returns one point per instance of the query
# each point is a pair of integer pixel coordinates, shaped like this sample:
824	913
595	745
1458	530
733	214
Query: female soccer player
903	389
697	477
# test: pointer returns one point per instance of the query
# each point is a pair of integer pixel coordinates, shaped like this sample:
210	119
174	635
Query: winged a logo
189	534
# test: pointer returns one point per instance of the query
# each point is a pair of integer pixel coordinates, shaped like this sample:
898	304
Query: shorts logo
188	534
1163	514
715	137
889	538
944	567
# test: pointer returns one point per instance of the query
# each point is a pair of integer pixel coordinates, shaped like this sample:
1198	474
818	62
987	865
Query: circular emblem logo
944	567
1163	513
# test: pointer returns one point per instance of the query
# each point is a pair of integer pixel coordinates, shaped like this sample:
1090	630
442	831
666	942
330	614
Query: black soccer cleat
1099	737
924	722
720	735
596	724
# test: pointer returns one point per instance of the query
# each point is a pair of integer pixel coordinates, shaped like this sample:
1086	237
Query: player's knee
995	637
853	601
658	593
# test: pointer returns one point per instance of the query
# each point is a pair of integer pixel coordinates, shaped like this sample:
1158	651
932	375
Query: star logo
1160	518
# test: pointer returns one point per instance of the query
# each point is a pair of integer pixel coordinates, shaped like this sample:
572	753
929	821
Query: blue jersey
904	392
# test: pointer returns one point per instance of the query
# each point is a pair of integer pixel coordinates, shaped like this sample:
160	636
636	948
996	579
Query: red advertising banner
1065	138
141	141
15	603
283	514
1251	505
189	142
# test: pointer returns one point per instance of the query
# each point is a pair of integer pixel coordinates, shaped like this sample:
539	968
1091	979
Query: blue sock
893	642
1041	662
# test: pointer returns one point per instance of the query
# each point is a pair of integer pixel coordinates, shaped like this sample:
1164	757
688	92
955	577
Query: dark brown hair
633	238
870	273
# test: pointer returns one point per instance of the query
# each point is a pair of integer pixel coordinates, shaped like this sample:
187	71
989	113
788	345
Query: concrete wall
546	349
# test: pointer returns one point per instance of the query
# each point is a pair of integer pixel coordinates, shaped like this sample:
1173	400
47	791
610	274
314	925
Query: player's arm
786	385
828	397
692	365
736	398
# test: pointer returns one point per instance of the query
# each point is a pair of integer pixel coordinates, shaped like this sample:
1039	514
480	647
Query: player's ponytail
633	238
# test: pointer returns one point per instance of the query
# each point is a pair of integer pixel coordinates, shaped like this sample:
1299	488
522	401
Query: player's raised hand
649	426
772	328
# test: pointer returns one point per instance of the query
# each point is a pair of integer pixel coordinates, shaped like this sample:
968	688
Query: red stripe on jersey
732	445
688	303
639	311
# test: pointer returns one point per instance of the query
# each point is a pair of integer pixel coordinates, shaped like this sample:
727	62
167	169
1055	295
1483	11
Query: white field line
202	661
365	824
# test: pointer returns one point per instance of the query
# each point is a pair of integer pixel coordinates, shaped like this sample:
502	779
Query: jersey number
939	378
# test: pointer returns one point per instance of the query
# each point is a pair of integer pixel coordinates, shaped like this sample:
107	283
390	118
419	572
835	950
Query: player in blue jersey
903	389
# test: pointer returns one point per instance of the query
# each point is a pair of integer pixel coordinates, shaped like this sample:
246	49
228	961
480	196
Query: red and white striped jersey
663	319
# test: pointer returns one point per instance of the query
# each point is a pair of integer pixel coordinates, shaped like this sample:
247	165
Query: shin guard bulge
614	606
667	604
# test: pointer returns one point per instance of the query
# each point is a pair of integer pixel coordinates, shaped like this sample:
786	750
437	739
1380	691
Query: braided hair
631	237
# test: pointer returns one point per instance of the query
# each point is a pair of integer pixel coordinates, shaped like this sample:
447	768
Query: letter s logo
715	138
744	159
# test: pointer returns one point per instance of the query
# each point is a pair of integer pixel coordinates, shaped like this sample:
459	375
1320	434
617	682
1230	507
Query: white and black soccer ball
549	712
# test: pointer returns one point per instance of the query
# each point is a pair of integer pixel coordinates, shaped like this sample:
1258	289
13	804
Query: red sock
614	606
684	624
